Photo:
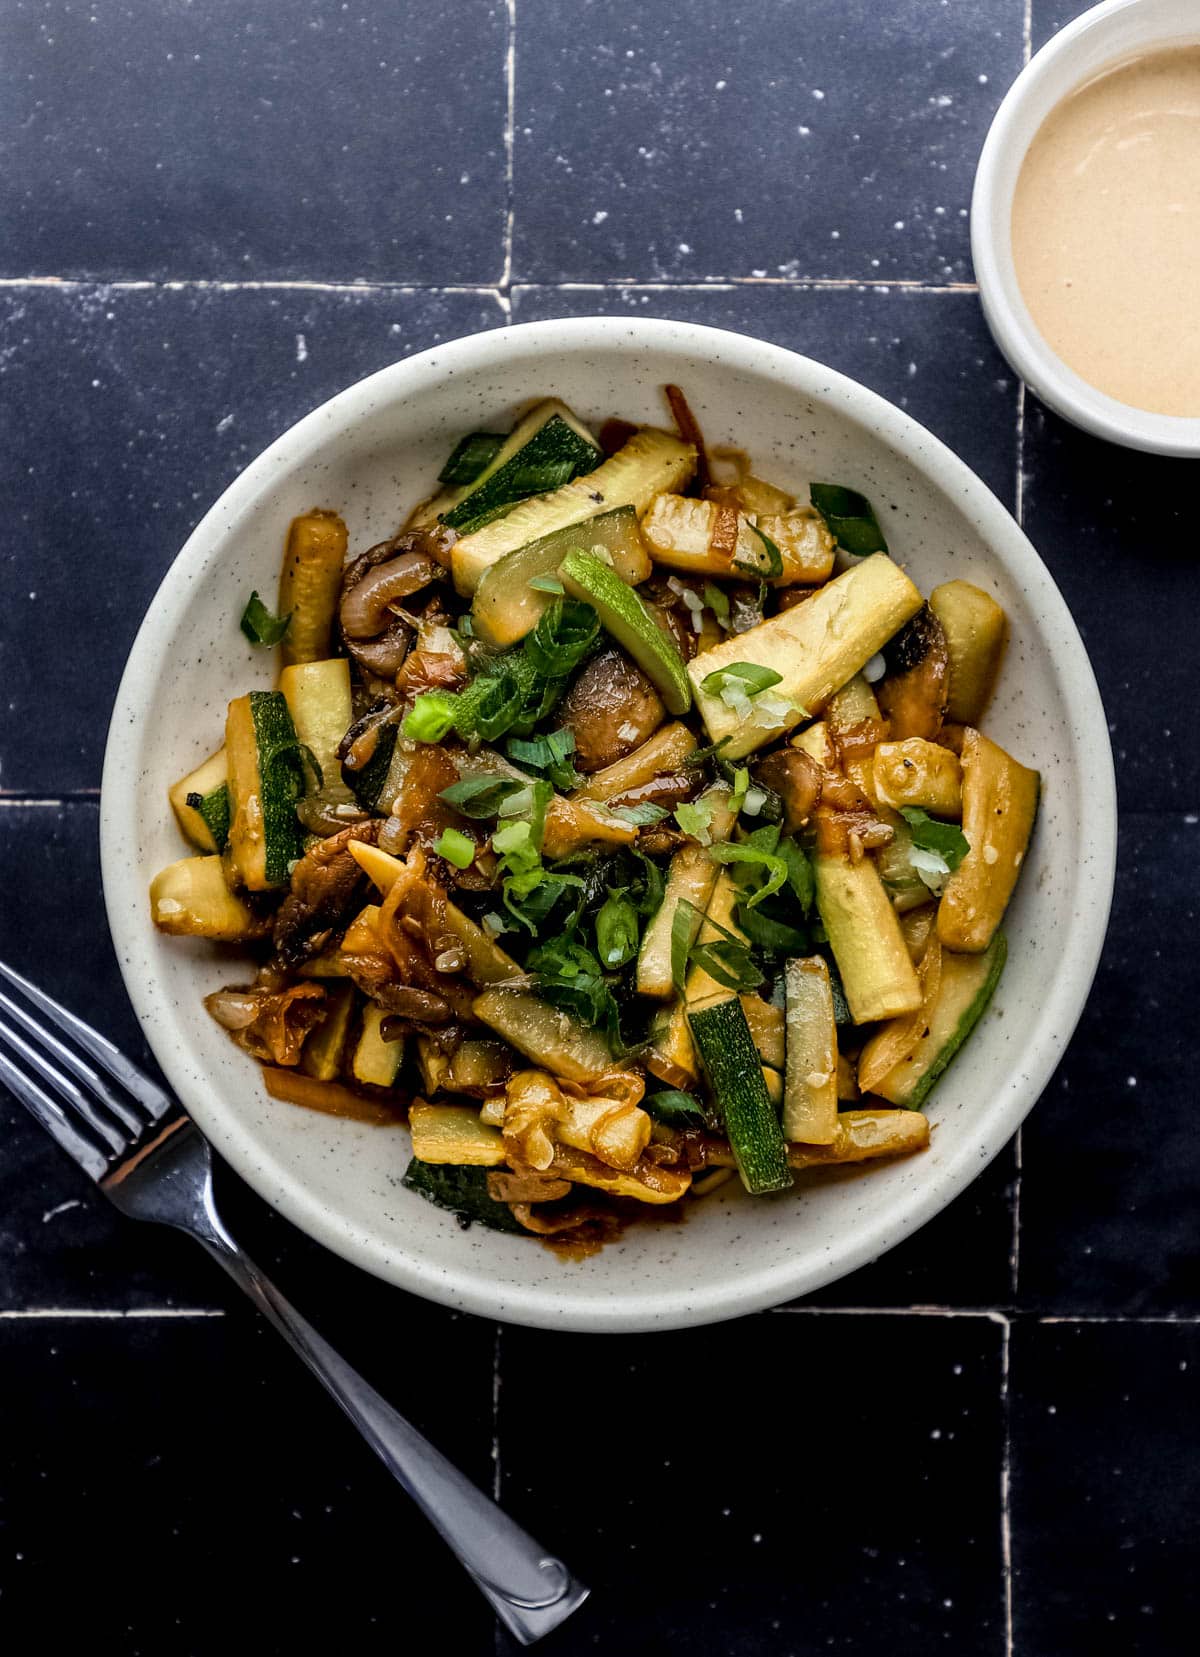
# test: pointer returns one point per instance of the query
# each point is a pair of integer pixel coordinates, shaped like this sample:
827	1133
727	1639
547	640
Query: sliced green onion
850	517
616	930
260	626
455	847
749	675
432	716
481	796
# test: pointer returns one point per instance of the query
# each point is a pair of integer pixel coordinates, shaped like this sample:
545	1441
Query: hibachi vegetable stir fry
620	823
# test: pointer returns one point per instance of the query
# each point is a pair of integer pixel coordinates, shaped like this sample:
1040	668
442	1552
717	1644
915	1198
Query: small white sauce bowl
1100	39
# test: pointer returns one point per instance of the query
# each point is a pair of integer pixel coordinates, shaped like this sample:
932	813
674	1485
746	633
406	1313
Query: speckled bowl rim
1015	1092
1097	40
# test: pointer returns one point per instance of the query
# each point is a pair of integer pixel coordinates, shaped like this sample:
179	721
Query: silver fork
147	1157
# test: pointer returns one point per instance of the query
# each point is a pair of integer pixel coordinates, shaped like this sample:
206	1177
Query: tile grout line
712	284
69	1314
1006	1563
992	1314
80	796
497	1469
209	284
1181	1320
510	119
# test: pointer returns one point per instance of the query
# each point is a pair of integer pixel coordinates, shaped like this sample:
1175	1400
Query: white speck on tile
912	369
464	178
738	215
62	1208
599	216
818	94
982	79
899	225
224	423
936	1433
301	348
721	85
1131	1081
684	247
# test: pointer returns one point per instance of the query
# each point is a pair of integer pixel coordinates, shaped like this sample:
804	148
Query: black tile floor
215	216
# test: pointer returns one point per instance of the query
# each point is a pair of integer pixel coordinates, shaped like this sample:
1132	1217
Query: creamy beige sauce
1106	231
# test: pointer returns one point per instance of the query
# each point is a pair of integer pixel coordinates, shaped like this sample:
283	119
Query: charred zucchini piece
266	778
192	899
462	1192
815	648
549	1036
1000	801
200	802
506	607
975	627
376	1061
454	1134
965	987
318	699
810	1080
918	773
650	462
326	1045
878	978
311	583
546	449
731	1064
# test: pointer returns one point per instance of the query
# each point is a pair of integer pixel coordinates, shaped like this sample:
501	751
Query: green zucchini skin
957	1011
367	783
553	456
214	808
727	1052
462	1192
281	780
472	454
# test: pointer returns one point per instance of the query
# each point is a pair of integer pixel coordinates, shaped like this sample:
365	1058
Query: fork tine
53	1118
67	1090
74	1064
135	1081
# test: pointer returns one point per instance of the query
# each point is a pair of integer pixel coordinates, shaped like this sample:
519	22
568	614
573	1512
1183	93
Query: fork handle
529	1590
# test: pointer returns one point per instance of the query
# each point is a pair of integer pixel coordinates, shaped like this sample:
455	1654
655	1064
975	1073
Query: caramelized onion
366	606
384	656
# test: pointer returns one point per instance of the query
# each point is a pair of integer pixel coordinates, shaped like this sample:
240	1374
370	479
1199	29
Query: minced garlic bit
169	906
991	855
875	669
817	1078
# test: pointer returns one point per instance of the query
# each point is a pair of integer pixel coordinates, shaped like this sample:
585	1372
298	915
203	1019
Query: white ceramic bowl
1098	40
371	452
